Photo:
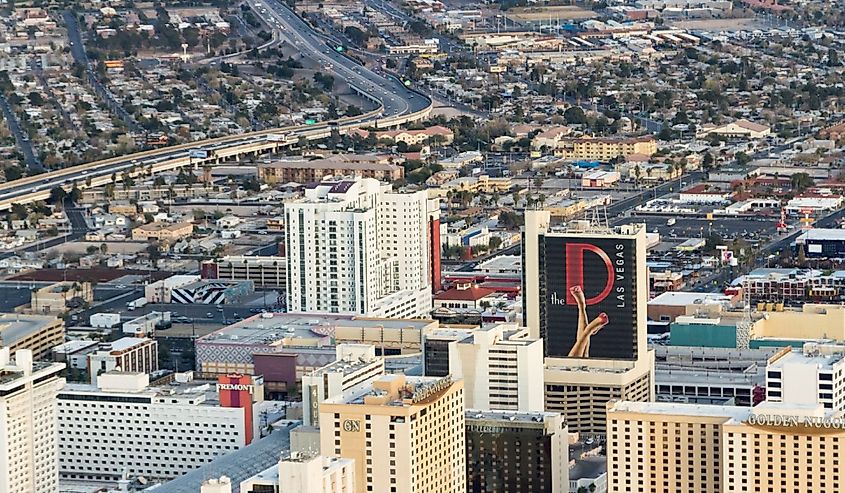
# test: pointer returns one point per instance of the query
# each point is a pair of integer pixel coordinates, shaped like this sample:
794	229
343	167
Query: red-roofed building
464	296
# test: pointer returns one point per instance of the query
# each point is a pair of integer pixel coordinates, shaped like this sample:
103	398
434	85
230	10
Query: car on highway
209	315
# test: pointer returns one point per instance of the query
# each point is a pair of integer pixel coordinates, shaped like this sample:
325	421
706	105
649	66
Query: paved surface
77	49
33	164
393	95
390	92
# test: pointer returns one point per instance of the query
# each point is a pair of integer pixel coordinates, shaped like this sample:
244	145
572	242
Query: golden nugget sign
429	390
808	421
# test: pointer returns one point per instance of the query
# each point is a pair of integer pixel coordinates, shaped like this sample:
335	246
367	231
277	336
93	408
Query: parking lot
728	228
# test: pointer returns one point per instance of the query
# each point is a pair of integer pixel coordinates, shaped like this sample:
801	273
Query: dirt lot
536	14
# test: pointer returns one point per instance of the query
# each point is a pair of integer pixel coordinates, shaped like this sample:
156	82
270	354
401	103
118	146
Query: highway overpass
397	105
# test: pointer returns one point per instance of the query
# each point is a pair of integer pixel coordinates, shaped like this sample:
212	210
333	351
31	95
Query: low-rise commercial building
233	348
58	297
211	292
161	231
380	167
738	129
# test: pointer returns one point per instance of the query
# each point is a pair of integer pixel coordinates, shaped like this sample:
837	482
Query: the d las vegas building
585	294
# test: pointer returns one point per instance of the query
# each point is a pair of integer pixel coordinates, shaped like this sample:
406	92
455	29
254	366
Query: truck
136	303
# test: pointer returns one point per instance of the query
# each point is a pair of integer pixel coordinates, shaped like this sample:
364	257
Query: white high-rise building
808	376
353	246
28	440
502	368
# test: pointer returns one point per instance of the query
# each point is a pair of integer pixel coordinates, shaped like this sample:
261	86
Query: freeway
390	92
396	105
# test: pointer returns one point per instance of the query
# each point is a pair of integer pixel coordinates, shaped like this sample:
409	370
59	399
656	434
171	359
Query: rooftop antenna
743	328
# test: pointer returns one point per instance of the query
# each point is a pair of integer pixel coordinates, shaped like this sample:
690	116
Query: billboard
590	297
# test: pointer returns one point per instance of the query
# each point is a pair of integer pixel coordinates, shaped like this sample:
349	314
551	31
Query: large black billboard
590	297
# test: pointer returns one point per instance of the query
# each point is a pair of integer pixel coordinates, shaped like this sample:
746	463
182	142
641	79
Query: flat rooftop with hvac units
308	340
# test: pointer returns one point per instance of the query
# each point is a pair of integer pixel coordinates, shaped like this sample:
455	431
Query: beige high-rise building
584	293
773	447
405	434
28	424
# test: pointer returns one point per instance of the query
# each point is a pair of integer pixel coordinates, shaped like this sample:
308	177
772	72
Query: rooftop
239	465
272	328
682	298
676	409
512	416
14	326
821	234
820	361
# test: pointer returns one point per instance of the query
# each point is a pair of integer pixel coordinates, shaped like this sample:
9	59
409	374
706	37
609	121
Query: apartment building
163	231
381	168
355	247
129	354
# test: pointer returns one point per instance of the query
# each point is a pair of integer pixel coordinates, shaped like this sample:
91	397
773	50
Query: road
33	164
394	96
394	99
77	49
78	229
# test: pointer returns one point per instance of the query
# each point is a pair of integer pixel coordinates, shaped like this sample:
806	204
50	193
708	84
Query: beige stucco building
405	434
163	231
773	447
55	297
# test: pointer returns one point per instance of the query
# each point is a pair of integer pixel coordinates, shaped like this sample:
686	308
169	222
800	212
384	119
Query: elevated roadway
395	105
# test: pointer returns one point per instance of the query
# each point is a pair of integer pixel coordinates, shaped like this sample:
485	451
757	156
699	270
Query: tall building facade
304	474
584	293
355	365
517	452
405	434
772	447
502	368
28	436
355	247
812	375
122	424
